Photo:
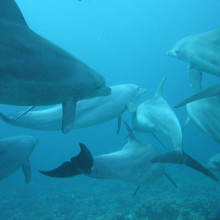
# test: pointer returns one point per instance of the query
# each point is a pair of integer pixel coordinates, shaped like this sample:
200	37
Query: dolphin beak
171	53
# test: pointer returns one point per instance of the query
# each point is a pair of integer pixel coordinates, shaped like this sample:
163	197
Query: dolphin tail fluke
26	168
82	163
180	157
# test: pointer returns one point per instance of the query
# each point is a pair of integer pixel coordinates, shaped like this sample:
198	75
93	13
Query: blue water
126	41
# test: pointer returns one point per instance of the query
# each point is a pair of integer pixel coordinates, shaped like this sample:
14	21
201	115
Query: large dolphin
132	163
201	52
155	115
15	153
34	71
88	112
209	92
205	114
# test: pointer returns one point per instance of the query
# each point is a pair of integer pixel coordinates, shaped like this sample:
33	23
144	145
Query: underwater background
127	42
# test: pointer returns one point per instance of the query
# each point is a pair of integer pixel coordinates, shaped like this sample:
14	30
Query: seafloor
83	198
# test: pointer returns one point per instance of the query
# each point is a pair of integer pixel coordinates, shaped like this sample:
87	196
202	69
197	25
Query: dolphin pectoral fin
69	110
195	78
119	123
25	112
170	179
135	192
211	91
26	168
180	157
67	169
82	163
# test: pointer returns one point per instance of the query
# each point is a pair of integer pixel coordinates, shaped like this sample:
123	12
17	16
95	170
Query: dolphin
36	72
155	115
201	52
132	164
89	112
205	93
214	163
205	115
14	153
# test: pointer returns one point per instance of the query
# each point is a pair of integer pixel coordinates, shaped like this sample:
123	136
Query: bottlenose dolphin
205	114
201	52
15	153
132	163
214	163
36	72
205	93
88	112
155	115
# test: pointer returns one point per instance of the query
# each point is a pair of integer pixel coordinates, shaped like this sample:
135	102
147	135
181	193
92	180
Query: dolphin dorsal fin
130	132
159	91
10	12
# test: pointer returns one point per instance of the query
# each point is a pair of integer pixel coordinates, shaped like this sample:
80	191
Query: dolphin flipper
135	192
26	168
119	123
170	179
180	157
69	111
211	91
195	78
82	163
25	112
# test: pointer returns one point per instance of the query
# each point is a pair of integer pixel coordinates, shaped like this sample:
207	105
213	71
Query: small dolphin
214	163
36	72
88	112
15	153
209	92
155	115
132	163
201	52
205	114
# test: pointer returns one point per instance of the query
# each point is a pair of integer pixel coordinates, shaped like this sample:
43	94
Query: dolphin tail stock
82	163
180	157
211	91
170	179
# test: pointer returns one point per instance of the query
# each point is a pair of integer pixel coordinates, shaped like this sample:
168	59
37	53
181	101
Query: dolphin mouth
105	91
